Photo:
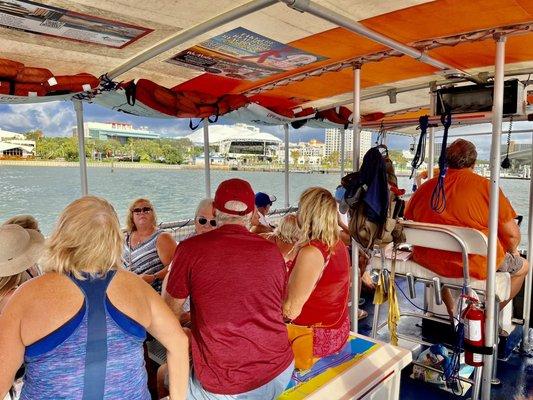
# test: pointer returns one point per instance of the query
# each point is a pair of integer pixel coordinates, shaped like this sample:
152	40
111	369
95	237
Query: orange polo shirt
467	204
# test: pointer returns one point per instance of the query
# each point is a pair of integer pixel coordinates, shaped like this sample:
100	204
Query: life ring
375	116
339	115
306	112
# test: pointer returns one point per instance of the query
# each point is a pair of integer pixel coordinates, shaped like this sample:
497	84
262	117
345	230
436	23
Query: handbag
301	338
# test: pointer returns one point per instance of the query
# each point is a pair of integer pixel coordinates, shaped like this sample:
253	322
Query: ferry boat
293	63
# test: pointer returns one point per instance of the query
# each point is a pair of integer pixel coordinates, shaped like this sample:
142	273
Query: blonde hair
317	215
25	221
87	238
288	230
130	225
8	283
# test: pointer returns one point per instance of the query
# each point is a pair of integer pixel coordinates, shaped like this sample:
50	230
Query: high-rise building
333	142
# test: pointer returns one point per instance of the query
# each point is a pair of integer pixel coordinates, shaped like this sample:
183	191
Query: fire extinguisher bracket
479	350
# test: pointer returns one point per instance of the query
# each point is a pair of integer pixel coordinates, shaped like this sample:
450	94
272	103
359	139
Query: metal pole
207	160
432	107
497	114
354	26
356	150
528	286
78	107
356	117
191	33
287	202
343	150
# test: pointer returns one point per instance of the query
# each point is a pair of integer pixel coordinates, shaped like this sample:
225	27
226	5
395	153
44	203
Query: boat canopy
262	61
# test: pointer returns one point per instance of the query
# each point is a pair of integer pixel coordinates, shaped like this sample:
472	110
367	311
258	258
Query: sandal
361	314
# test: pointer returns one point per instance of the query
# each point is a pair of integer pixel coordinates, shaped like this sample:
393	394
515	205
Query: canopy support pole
287	201
343	150
497	116
356	138
528	286
191	33
354	26
207	160
432	108
78	107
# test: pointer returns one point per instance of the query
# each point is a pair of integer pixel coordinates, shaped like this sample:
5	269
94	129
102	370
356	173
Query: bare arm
176	305
509	235
165	327
166	246
302	281
11	346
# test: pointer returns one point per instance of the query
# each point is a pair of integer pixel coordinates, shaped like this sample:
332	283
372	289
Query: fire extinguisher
474	327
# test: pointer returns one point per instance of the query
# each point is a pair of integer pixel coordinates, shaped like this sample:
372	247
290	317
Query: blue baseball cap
263	199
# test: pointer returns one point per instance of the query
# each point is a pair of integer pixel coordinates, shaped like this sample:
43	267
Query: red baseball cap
234	196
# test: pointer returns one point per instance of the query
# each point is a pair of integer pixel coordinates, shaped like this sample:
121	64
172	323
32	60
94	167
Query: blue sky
58	118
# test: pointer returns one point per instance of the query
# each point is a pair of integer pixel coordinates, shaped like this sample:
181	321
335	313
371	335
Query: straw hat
19	249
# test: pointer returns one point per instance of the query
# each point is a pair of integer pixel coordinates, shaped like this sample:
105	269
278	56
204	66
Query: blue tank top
97	354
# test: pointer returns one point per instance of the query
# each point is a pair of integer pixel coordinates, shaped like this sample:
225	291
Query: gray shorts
511	264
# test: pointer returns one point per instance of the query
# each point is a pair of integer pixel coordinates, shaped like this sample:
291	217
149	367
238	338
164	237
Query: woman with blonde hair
319	281
80	327
148	250
286	235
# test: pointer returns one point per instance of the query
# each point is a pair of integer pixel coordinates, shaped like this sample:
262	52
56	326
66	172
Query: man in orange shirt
467	204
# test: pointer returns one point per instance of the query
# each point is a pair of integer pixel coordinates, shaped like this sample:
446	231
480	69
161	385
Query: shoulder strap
94	290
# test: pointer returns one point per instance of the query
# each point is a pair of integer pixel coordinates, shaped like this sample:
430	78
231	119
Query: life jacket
33	75
374	207
71	83
9	69
29	89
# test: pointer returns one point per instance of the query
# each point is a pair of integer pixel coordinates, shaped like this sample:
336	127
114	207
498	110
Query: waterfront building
116	130
15	145
333	142
303	153
239	143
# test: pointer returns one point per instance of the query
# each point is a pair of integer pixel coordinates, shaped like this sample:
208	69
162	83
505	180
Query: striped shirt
143	259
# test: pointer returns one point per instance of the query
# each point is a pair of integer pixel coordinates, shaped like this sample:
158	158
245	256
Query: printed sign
242	54
29	16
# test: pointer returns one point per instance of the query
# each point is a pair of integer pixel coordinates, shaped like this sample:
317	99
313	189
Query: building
303	153
15	145
115	130
333	142
239	143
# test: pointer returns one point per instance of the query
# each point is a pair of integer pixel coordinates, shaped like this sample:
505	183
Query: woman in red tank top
319	280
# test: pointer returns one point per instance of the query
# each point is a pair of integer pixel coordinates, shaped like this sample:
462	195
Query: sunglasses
143	210
203	221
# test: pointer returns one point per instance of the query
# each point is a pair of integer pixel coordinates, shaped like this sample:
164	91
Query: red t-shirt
328	303
467	204
236	282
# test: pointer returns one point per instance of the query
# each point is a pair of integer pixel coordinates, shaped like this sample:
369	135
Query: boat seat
503	279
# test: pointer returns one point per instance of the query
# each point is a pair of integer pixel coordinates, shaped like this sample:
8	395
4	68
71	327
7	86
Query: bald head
461	154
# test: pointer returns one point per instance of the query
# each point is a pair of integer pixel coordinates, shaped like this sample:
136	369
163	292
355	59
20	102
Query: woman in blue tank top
79	328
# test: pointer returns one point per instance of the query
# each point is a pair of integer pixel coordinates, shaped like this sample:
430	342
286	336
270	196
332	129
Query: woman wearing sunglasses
204	219
147	250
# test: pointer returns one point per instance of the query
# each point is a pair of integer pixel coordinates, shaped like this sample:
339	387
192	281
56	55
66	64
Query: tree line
168	151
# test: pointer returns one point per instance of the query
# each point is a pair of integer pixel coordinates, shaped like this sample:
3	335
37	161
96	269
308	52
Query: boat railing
184	228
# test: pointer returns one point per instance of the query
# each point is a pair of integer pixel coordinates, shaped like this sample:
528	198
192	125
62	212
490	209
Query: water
45	191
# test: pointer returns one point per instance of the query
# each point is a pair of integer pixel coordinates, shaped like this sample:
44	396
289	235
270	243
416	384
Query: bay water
44	191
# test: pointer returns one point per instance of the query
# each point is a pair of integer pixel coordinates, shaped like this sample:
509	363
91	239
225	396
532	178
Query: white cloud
54	118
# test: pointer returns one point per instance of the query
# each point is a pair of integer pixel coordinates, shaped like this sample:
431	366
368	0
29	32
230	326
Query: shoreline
136	165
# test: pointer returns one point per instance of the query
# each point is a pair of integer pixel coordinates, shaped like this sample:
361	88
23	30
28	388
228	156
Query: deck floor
515	374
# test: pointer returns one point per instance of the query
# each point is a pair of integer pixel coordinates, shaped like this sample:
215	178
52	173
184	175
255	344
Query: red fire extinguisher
474	327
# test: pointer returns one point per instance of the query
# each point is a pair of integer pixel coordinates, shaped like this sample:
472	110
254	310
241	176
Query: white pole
287	201
497	114
356	139
191	33
343	150
207	160
528	286
432	107
78	107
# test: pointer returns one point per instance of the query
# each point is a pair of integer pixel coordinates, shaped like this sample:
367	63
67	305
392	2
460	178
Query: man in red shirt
236	282
467	204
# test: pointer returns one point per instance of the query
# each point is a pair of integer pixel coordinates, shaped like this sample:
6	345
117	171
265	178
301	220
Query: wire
420	154
438	197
